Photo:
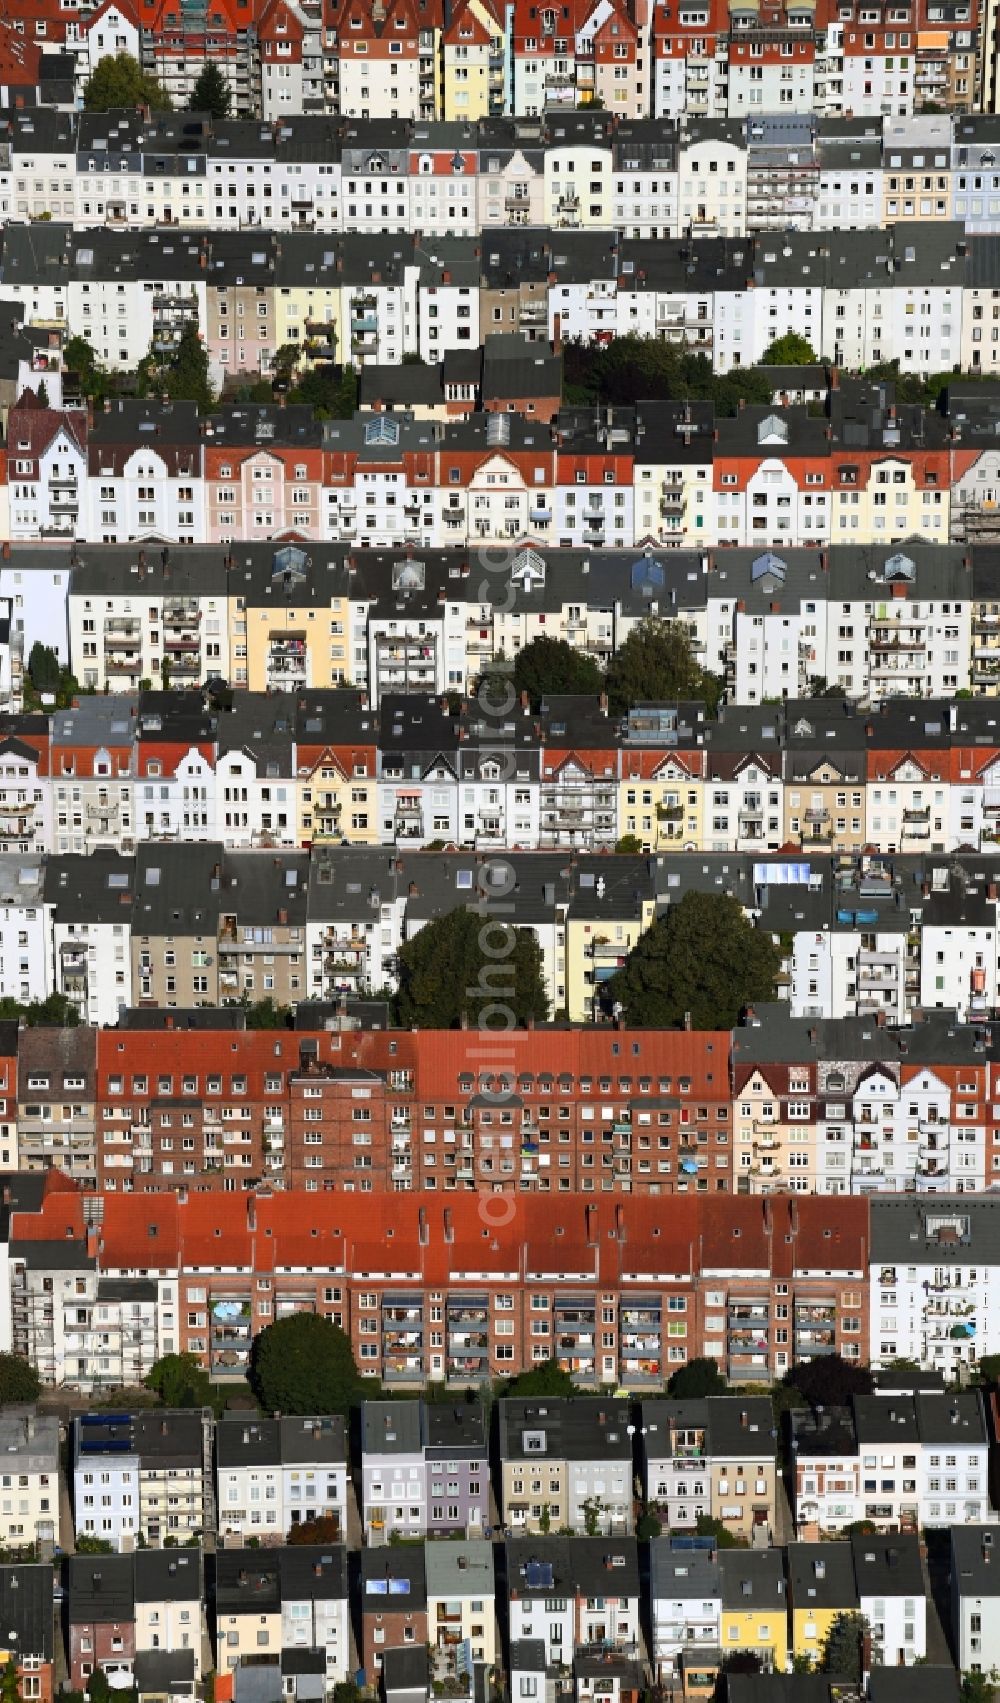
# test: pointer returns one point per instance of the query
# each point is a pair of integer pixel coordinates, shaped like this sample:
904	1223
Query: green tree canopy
979	1687
618	372
988	1368
703	958
830	1380
211	92
545	1379
122	82
472	966
10	1689
790	351
44	668
55	1012
304	1364
548	667
707	1526
656	663
699	1377
79	358
180	1381
265	1014
844	1649
18	1379
332	391
182	373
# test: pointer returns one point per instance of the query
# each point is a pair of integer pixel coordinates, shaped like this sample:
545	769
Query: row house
268	1601
143	1479
278	61
906	1106
684	139
565	1467
658	477
29	1485
764	1283
899	1461
275	1474
424	1469
713	1458
122	1607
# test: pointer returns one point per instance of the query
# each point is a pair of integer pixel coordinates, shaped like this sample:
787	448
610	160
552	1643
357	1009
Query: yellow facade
594	947
335	806
289	645
765	1631
310	319
466	78
811	1628
664	810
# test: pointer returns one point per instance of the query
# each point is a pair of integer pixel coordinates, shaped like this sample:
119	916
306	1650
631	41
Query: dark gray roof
572	1566
887	1566
821	1574
584	1429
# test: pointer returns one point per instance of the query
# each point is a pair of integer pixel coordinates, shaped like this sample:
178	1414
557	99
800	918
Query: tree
181	373
736	1661
629	845
844	1650
331	391
819	687
699	1377
18	1380
10	1688
467	965
706	1526
180	1381
548	667
789	351
649	1525
43	667
121	82
304	1364
979	1687
988	1368
87	1544
211	92
42	393
265	1014
701	959
656	663
324	1529
830	1381
79	358
56	1012
545	1379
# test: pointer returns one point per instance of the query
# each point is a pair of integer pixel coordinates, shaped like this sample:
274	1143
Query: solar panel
538	1574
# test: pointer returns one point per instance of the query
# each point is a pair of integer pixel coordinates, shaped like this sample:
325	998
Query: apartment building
292	1598
791	1240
